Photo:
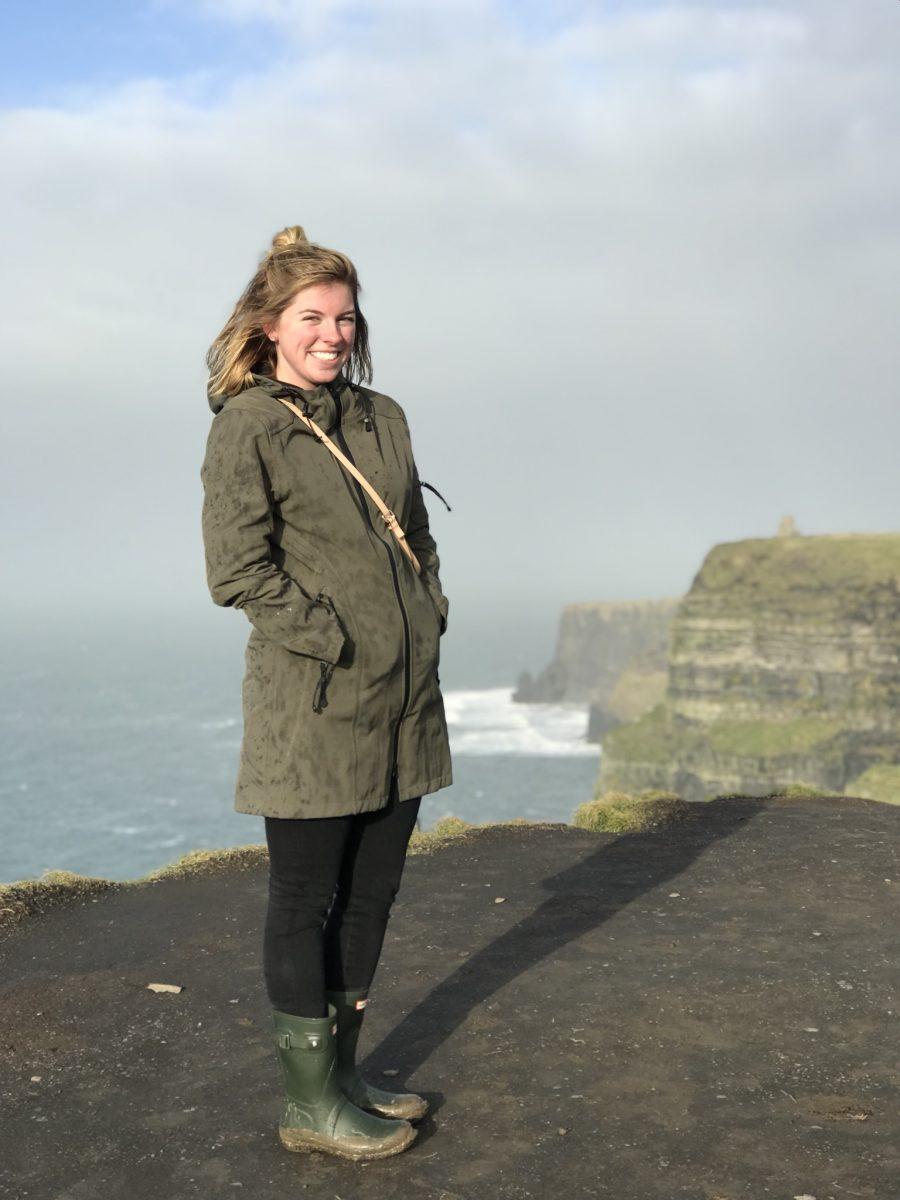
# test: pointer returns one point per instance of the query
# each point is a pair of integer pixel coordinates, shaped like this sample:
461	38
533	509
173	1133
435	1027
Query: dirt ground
707	1011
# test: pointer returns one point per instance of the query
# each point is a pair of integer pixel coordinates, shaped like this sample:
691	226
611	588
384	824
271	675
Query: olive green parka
341	689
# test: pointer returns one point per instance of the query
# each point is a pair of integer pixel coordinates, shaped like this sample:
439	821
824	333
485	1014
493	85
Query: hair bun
291	235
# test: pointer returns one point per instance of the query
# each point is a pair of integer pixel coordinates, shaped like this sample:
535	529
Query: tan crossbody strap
390	520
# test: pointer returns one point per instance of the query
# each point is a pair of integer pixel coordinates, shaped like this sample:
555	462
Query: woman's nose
330	332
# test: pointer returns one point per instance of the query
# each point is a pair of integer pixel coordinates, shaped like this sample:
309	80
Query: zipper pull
319	700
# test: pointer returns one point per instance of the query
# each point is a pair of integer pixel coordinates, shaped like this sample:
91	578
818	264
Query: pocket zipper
326	670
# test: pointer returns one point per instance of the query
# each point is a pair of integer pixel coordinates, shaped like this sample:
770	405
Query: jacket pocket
439	602
300	564
335	683
314	577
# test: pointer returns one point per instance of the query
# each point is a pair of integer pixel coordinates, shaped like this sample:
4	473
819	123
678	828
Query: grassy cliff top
797	572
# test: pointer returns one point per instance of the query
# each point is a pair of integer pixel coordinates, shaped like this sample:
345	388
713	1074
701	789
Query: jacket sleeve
424	547
237	525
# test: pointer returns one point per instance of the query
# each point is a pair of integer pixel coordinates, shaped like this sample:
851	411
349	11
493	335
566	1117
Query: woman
344	727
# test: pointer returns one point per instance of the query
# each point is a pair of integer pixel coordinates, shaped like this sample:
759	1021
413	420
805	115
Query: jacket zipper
407	671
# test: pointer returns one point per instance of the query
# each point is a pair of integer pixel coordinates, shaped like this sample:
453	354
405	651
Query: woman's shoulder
258	407
384	405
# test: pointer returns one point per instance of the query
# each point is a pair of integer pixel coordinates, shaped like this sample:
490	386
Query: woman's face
314	335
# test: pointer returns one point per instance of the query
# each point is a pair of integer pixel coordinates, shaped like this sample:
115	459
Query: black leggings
332	881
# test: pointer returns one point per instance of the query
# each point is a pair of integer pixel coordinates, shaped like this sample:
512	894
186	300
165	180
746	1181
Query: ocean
120	749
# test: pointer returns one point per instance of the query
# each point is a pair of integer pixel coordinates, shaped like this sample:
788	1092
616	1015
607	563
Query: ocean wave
488	721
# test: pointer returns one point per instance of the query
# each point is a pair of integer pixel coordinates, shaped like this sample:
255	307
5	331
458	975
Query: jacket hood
328	405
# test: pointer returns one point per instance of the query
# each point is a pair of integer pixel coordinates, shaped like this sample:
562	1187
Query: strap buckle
312	1041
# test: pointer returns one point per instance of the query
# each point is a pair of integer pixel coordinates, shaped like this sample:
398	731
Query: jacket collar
329	404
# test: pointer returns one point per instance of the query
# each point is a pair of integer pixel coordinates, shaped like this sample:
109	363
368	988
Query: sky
628	267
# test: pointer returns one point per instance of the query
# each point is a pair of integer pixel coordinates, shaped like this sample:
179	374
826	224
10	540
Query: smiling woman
344	724
314	335
303	298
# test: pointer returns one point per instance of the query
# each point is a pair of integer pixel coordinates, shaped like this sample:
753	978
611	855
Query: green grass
800	790
881	782
659	737
767	739
654	737
620	812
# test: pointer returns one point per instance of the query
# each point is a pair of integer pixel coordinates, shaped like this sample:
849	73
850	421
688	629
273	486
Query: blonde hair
243	349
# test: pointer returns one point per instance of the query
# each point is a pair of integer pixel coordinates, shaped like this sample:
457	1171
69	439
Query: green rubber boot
317	1115
351	1008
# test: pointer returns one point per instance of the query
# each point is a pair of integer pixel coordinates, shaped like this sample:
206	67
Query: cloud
630	272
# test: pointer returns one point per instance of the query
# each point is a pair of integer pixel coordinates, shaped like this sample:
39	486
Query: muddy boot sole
411	1108
305	1141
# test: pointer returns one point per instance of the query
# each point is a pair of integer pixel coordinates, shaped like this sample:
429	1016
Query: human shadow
582	897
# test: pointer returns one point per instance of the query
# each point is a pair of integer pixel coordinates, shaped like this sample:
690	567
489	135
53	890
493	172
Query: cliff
610	655
783	667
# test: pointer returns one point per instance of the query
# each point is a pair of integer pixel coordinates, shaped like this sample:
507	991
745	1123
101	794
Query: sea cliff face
783	667
610	655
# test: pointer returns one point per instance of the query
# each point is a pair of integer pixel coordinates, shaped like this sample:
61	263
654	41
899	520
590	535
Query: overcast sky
630	267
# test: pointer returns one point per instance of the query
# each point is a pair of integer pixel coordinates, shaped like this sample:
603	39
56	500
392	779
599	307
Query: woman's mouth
325	355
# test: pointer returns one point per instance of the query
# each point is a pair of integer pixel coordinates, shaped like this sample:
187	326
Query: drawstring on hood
436	492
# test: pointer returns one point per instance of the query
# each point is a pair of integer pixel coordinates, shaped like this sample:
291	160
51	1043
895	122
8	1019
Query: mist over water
120	743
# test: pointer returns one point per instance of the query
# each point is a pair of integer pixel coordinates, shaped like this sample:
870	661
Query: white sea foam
487	721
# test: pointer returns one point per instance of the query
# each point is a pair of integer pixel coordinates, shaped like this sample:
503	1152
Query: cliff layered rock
783	667
610	655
